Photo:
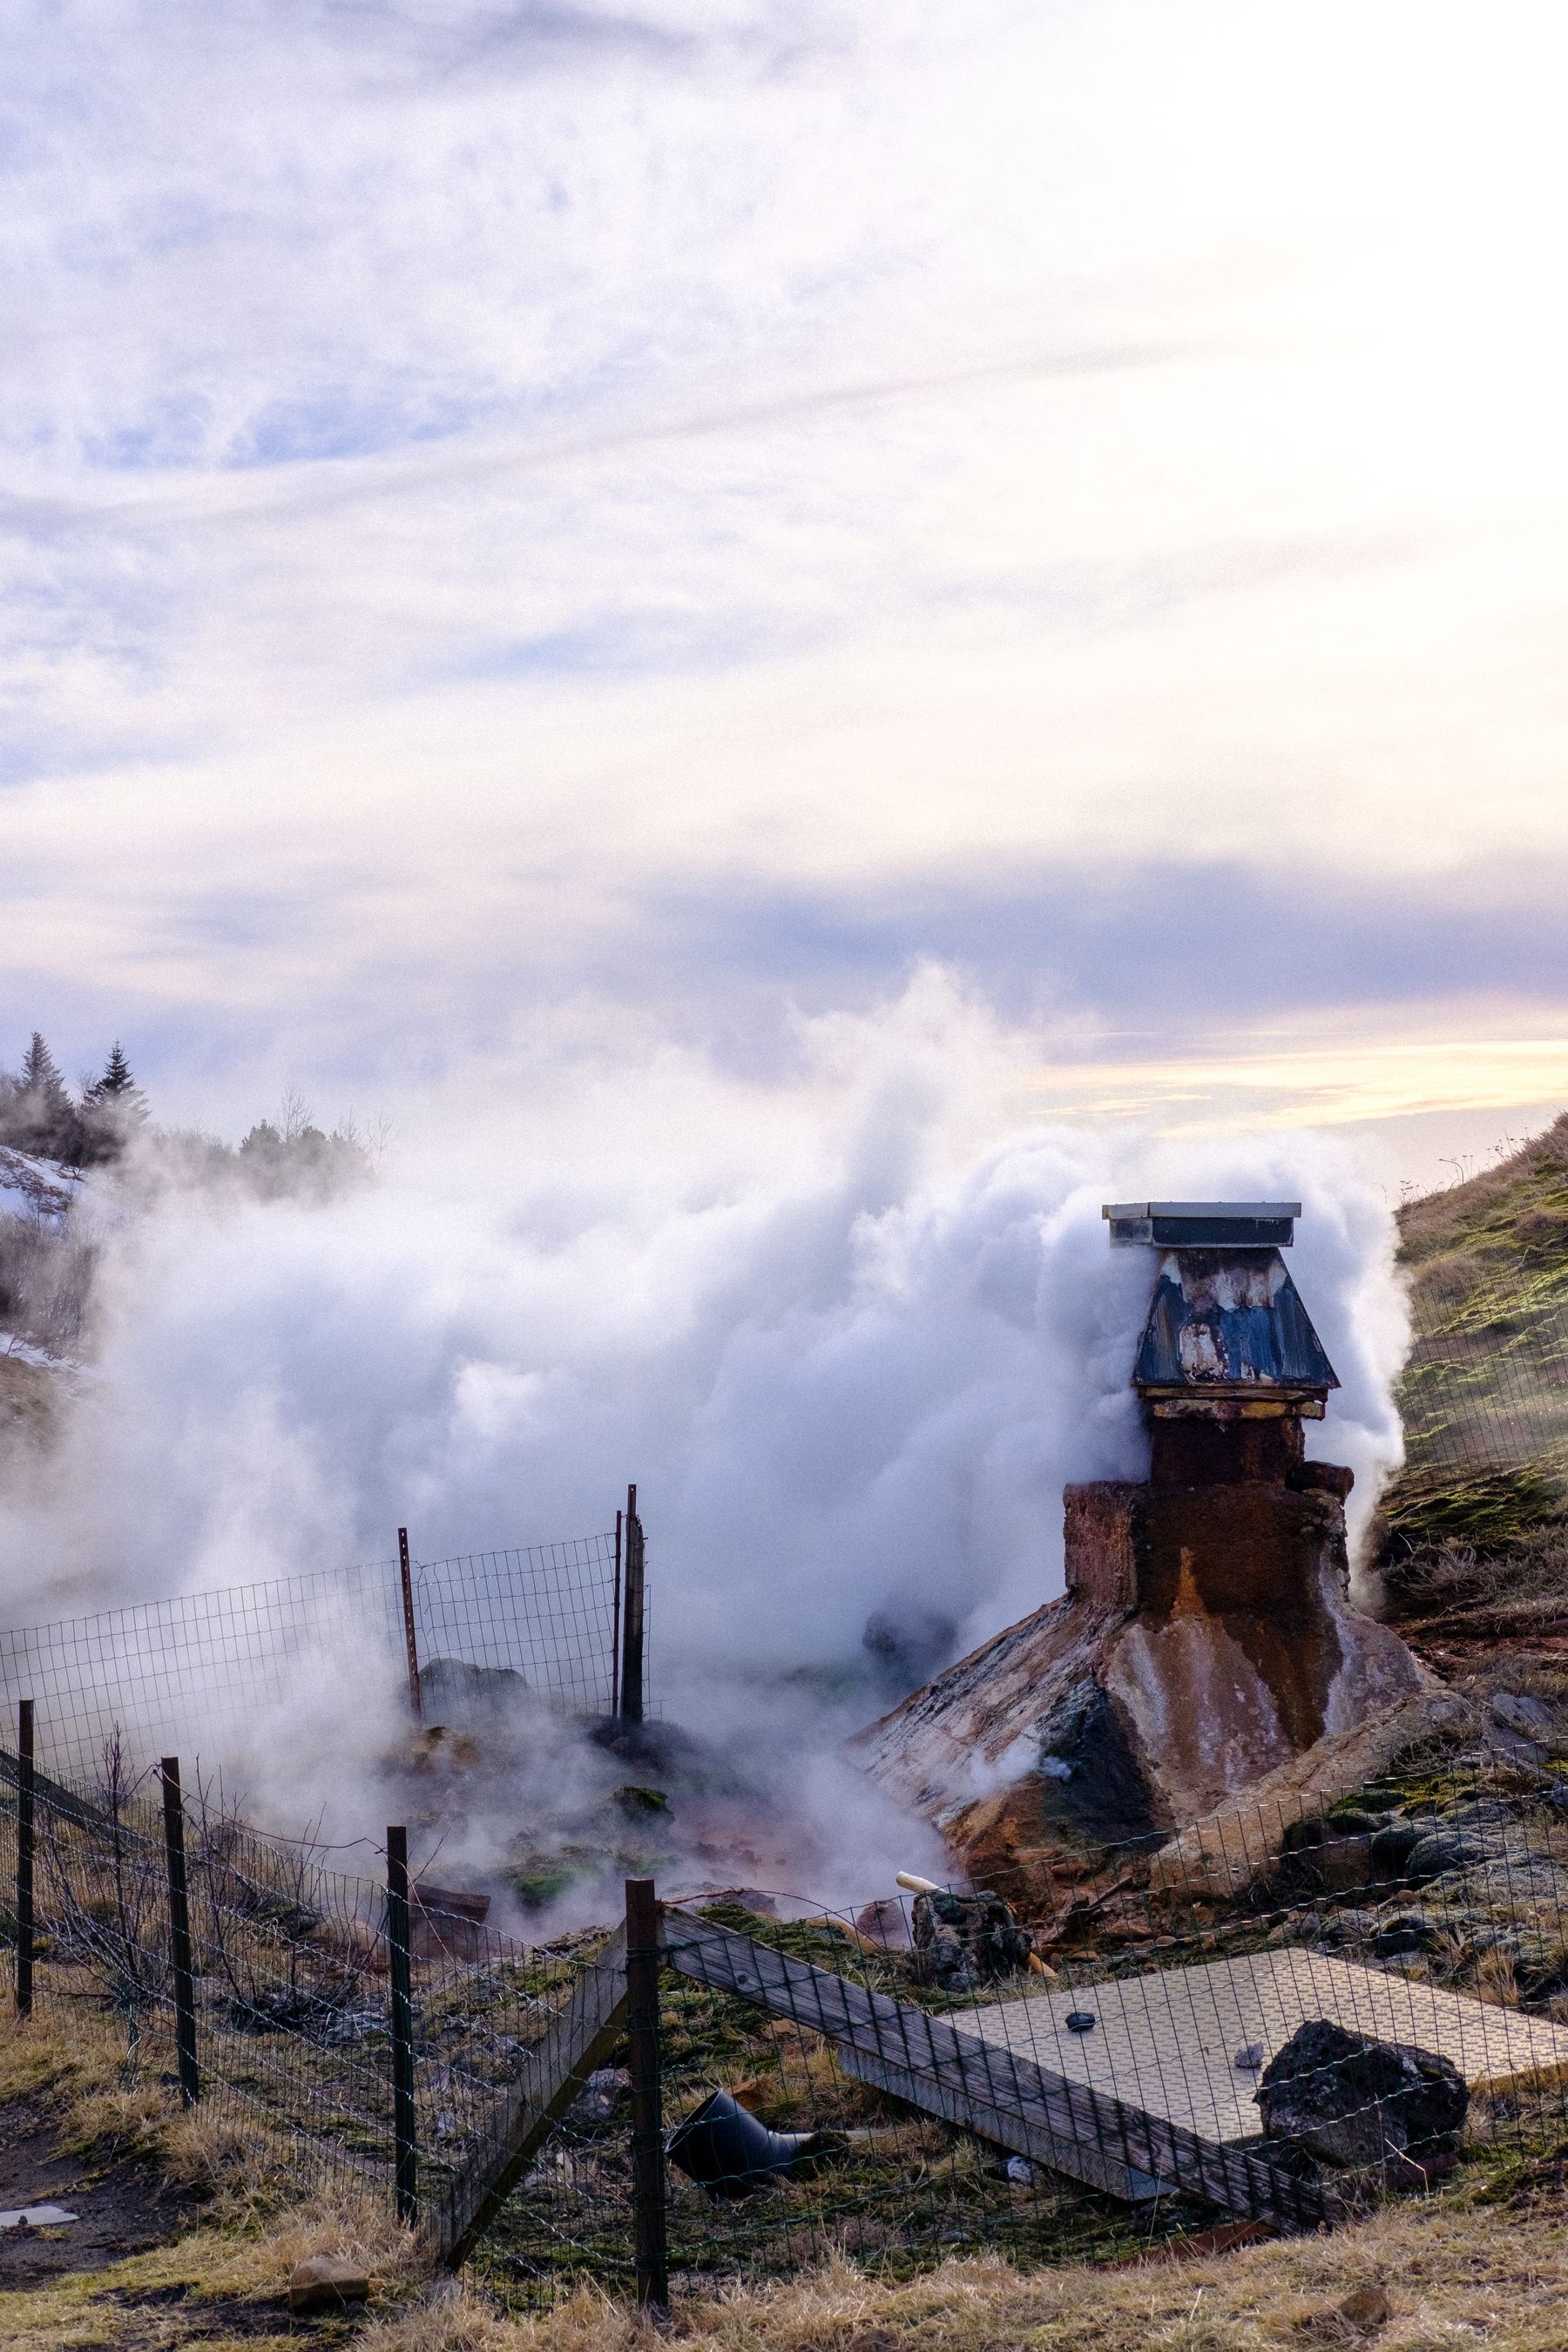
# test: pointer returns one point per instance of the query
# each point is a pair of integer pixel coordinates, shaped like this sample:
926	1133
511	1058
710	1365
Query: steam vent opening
1205	1647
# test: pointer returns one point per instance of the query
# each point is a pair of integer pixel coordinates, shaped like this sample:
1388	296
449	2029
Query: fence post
615	1634
180	1932
409	1638
25	1858
650	2238
406	2154
632	1616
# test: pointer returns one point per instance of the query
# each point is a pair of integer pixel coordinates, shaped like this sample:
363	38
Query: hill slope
1478	1517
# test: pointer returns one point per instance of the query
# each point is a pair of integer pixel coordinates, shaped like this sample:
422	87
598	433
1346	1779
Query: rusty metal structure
1206	1640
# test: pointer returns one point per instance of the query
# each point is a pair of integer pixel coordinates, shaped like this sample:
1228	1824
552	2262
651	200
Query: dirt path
122	2208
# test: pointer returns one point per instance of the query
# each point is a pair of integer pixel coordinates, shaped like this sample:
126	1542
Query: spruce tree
44	1118
40	1074
117	1080
111	1108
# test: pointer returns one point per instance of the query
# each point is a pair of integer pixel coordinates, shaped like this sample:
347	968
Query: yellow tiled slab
1166	2041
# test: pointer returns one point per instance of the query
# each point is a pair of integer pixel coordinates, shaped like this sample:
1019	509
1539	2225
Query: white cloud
476	472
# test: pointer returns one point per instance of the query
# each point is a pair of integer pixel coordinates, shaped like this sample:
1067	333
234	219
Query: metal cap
1204	1225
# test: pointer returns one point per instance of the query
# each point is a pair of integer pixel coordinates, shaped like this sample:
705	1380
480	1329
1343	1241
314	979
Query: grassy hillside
1481	1511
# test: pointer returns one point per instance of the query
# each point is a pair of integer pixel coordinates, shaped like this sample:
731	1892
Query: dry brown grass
1456	2270
1451	2277
74	2063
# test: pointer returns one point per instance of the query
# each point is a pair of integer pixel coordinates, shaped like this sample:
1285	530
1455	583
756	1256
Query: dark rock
1089	1782
1349	1927
964	1940
451	1691
1391	1849
1321	1478
1434	1856
1350	2101
1315	1830
1334	1852
1407	1931
1527	1717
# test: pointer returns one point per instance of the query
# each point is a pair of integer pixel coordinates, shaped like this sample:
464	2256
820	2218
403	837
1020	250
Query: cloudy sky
669	516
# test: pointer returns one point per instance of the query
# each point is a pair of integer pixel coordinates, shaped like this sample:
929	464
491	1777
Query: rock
1406	1931
1352	2101
453	1693
326	2283
1334	1852
1527	1717
596	2102
1222	1854
1350	1927
964	1940
1249	2060
1434	1856
1315	1830
1391	1849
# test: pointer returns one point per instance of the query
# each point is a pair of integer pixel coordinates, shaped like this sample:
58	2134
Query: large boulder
1354	2102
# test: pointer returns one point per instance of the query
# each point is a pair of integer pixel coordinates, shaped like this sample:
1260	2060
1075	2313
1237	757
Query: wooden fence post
643	1959
632	1616
406	2157
410	1638
180	1933
24	1832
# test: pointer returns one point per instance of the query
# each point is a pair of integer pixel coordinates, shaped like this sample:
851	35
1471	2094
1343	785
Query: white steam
851	1328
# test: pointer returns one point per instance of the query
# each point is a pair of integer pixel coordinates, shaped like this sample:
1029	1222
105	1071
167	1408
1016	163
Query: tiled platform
1166	2041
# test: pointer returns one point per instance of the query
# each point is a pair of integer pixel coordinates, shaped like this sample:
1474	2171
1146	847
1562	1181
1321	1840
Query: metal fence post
410	1639
650	2237
632	1616
180	1932
25	1858
615	1633
398	1937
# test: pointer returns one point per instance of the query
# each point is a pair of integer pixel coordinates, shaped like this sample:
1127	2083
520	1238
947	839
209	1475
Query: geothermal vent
1205	1639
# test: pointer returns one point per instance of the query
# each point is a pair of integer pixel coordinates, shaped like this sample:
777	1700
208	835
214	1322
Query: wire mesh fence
1484	1397
1321	2013
186	1672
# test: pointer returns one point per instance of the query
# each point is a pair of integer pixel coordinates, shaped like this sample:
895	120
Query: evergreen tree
116	1088
40	1074
42	1118
112	1105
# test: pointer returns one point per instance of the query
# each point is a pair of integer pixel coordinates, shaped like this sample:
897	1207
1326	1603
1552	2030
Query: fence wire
185	1672
1484	1400
1069	2067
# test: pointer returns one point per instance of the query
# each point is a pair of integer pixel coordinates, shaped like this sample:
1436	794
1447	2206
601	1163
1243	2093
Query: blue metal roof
1229	1319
